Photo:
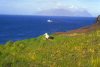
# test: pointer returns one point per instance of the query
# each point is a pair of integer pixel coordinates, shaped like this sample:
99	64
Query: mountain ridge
64	12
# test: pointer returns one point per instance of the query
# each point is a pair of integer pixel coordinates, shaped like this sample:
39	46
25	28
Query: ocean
17	27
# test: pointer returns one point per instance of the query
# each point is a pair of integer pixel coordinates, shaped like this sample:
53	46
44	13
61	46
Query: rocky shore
86	29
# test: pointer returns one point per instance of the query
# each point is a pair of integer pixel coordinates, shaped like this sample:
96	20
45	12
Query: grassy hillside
72	50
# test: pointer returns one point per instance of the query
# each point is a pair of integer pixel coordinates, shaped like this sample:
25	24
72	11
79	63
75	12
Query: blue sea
16	27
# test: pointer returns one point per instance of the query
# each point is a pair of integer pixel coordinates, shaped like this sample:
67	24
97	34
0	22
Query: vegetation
64	51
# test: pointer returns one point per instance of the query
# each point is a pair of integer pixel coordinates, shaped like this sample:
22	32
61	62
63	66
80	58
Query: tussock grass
64	51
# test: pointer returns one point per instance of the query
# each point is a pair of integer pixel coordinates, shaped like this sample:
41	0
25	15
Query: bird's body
46	35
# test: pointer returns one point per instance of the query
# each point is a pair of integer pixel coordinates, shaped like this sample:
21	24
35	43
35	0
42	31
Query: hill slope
71	51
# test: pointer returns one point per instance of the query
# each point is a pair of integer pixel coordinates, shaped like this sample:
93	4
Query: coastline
64	50
85	29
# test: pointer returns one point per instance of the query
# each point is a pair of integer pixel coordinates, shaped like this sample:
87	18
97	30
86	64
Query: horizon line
42	15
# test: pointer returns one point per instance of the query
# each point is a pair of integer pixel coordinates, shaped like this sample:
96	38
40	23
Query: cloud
72	6
38	5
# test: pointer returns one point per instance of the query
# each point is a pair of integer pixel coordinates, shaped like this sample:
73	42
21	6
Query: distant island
64	12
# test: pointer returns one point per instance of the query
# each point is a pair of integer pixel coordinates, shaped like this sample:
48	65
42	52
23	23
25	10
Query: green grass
64	51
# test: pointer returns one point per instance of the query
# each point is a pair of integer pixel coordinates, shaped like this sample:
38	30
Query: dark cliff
97	21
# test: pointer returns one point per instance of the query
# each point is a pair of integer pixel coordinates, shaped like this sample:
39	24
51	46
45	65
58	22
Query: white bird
46	35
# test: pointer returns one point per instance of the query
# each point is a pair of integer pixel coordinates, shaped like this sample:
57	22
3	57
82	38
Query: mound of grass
64	51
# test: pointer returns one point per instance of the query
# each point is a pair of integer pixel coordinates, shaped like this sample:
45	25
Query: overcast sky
30	7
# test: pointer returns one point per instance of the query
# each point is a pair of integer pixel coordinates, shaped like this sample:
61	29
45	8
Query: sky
30	7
